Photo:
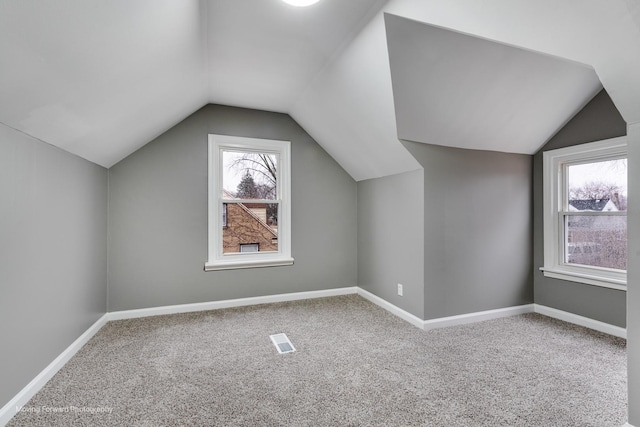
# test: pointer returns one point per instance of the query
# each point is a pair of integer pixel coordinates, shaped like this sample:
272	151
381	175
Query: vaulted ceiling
101	78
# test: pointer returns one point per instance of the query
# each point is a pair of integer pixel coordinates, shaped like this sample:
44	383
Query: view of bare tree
600	190
263	170
259	179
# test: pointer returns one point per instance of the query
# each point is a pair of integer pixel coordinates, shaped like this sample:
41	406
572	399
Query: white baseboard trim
217	305
581	321
445	321
22	398
404	315
479	316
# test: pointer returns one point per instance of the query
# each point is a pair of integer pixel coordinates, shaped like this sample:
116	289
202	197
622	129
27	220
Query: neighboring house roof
228	195
595	205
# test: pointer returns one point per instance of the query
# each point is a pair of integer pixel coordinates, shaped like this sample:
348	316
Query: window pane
250	225
224	214
249	175
599	241
249	247
598	186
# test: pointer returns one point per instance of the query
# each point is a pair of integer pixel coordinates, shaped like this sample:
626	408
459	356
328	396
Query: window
250	247
249	203
585	213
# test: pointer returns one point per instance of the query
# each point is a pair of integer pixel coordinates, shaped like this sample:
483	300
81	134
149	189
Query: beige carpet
355	365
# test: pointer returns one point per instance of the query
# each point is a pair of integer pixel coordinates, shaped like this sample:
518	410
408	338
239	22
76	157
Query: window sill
588	279
234	265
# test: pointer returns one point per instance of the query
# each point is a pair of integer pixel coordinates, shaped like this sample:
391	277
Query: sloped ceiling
101	78
264	53
358	84
462	91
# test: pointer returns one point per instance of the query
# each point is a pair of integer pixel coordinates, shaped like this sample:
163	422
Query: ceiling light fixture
301	3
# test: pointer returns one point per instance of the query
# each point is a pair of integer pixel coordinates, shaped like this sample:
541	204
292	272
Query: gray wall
158	217
633	278
477	233
53	254
391	239
599	119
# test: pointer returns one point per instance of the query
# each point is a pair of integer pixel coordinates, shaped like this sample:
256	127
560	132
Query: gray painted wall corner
391	239
53	232
158	217
478	229
633	279
598	120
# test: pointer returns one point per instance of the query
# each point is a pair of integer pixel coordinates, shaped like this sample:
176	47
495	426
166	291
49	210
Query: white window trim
553	187
216	259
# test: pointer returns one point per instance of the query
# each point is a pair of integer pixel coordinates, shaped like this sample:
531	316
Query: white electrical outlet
399	289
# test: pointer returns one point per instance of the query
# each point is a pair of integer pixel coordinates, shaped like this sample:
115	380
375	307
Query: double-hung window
249	203
585	213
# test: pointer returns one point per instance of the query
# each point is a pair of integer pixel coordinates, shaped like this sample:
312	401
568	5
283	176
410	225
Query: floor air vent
282	343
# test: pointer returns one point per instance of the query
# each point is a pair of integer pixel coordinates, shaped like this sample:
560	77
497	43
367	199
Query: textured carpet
355	365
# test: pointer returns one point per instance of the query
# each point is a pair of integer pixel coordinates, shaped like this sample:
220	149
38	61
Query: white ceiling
264	53
462	91
101	78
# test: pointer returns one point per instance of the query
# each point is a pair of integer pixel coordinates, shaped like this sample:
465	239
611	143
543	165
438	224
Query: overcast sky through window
609	172
232	175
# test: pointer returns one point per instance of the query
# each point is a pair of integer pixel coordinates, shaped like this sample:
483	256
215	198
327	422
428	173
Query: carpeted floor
355	365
